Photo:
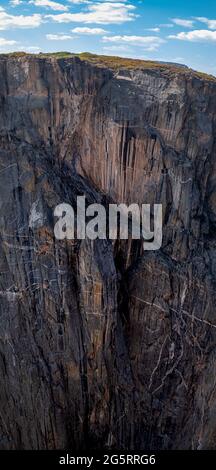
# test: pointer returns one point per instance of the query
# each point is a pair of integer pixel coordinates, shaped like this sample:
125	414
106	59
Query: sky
175	31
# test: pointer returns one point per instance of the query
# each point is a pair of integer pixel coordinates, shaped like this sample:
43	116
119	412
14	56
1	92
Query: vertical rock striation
103	345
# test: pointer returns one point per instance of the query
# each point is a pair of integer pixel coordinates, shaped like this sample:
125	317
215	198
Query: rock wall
102	345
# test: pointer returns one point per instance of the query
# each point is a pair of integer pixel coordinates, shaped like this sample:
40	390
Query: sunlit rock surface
102	345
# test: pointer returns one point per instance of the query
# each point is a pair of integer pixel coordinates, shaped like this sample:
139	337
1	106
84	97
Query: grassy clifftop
116	63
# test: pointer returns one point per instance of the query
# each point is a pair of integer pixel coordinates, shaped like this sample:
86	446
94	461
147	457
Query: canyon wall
103	345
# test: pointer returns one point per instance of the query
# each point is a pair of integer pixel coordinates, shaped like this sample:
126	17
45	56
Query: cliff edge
102	345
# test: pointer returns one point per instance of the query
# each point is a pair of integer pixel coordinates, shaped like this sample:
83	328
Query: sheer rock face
103	345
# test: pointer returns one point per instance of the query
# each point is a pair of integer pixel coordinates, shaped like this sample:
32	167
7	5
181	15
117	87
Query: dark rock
103	345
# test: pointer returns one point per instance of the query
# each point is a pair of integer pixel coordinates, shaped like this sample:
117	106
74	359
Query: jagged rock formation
102	345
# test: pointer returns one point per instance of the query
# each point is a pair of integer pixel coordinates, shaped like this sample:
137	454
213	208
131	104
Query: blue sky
176	31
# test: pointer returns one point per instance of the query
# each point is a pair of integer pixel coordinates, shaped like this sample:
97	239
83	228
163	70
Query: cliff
102	345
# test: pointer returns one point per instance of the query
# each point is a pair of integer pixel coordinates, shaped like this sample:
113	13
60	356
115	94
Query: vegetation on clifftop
116	63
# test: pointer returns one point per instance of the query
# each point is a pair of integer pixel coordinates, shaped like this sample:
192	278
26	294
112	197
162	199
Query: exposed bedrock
103	345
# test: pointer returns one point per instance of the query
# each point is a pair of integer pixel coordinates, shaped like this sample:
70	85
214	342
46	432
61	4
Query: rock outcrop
102	345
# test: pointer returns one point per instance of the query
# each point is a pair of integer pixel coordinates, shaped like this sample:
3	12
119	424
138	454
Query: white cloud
99	13
15	3
116	48
154	30
93	31
33	48
185	23
149	43
19	21
6	42
166	25
210	23
29	48
49	4
76	2
198	35
58	37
